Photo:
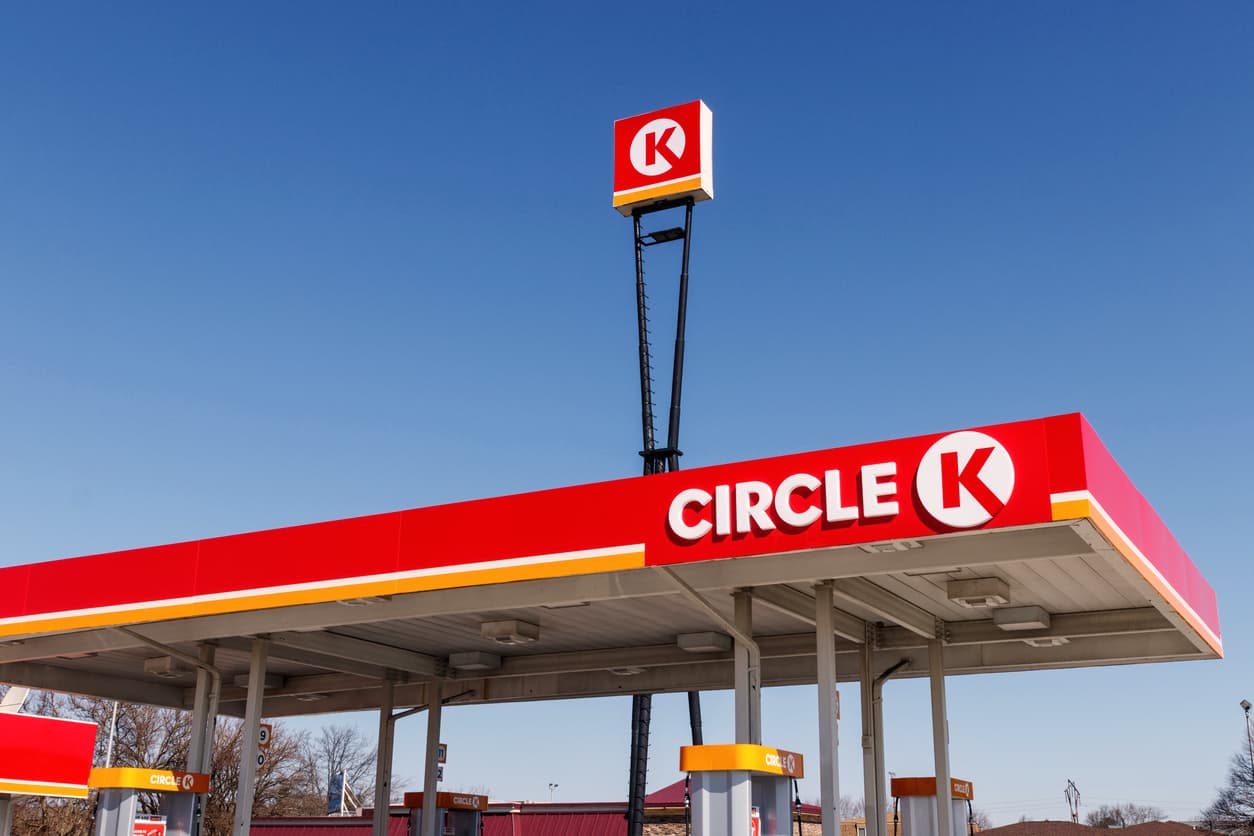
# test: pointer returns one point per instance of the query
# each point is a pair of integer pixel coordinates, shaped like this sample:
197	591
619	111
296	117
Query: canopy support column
435	705
248	748
829	740
6	815
748	672
383	762
940	735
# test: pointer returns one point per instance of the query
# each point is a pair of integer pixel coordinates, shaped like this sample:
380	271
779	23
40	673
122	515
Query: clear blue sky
263	264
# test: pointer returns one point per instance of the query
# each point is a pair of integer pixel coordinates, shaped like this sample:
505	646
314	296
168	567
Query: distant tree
851	808
342	748
983	821
1232	811
1123	815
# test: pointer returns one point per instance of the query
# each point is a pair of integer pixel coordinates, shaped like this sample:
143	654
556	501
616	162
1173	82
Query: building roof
555	824
325	826
1066	828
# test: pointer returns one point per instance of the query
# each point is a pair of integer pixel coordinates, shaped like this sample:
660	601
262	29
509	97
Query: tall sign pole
662	160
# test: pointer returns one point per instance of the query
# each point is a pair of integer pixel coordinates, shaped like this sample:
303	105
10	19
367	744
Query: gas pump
117	808
916	798
740	789
457	813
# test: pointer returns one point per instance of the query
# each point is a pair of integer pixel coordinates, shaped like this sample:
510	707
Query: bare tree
1232	811
851	808
342	748
283	787
1123	815
982	820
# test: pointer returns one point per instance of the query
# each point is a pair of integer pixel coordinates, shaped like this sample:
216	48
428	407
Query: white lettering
799	501
722	510
752	501
831	499
875	491
783	501
682	501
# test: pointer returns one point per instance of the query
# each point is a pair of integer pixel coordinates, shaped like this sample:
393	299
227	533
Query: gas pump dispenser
916	798
118	810
457	813
740	789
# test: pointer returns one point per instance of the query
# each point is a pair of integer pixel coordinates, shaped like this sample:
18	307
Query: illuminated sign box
663	155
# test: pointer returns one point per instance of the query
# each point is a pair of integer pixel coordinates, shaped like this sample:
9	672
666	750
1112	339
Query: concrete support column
748	674
870	781
829	738
248	745
6	815
940	736
383	762
435	700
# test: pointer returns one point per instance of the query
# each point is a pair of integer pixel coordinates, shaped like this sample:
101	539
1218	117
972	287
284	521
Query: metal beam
785	670
372	653
1064	625
90	684
886	605
793	602
312	659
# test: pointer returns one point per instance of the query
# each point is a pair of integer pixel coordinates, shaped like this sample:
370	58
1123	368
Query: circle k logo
188	782
965	479
657	147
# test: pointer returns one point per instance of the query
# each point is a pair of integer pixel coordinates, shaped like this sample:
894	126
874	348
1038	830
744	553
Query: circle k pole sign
663	155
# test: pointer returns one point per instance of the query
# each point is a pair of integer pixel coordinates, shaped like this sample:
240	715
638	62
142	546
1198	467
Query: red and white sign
45	755
962	481
149	826
663	155
265	733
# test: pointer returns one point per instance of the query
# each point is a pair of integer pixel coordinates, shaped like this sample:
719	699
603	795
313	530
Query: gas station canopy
1021	546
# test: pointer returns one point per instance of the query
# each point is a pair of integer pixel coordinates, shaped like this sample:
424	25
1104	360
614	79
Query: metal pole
248	747
6	815
1249	737
677	369
940	735
383	763
646	375
694	717
870	780
435	703
829	740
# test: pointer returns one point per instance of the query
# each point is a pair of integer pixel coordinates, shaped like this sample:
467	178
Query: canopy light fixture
364	601
270	680
474	660
510	633
891	546
165	667
979	593
1048	641
310	697
628	671
570	605
709	642
1021	618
